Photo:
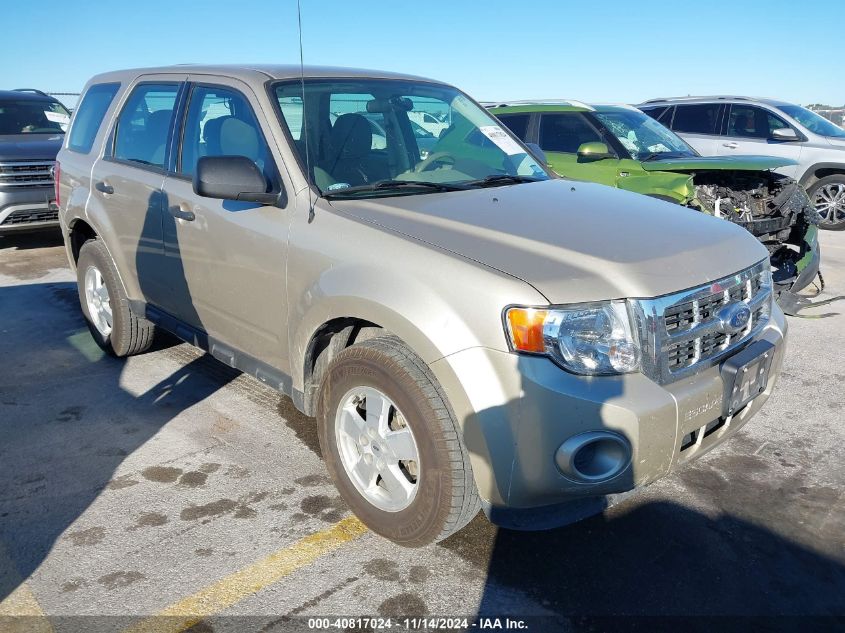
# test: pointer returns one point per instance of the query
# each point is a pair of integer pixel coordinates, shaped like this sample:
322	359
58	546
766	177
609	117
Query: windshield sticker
58	117
501	139
337	186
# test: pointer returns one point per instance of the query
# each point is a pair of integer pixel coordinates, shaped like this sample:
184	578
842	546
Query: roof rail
35	90
694	98
564	102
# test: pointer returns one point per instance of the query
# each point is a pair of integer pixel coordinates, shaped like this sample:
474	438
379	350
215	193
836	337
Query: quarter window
699	118
89	116
144	124
220	122
566	132
516	123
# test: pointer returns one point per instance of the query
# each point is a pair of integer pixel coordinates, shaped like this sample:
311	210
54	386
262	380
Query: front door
749	131
226	259
560	136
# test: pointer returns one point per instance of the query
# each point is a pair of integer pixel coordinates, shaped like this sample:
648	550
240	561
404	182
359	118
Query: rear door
699	125
749	131
560	136
126	192
226	259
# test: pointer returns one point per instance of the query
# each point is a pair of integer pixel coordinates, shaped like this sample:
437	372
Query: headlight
591	339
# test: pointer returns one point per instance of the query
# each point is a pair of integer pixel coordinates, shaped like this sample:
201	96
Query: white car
428	122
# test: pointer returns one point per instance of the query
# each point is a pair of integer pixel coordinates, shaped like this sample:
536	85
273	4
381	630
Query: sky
608	51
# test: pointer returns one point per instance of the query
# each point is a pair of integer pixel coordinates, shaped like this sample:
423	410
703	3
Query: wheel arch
79	233
820	170
315	345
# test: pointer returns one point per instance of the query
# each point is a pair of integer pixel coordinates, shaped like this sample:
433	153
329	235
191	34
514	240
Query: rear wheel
114	326
828	196
392	446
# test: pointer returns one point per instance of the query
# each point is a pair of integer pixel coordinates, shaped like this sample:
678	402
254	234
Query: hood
572	241
837	142
30	146
705	163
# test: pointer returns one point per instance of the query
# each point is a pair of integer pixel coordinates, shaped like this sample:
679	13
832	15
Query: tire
128	333
833	218
445	497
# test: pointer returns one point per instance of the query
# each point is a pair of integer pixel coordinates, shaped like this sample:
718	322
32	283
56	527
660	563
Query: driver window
566	133
220	122
748	122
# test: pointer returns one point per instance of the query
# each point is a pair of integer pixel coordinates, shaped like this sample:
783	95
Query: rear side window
220	122
516	123
566	132
657	113
144	124
699	118
89	116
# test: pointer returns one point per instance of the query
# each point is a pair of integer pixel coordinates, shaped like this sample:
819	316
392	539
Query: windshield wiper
386	185
501	179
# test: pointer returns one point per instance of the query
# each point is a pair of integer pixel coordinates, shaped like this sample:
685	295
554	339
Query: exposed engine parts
773	208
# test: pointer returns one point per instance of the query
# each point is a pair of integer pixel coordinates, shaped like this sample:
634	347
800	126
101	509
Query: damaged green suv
622	147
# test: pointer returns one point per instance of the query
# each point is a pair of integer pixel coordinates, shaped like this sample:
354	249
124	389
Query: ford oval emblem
733	317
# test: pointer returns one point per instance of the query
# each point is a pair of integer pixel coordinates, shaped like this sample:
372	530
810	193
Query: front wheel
392	446
828	196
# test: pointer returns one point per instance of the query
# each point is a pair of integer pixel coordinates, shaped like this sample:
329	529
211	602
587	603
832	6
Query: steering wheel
429	161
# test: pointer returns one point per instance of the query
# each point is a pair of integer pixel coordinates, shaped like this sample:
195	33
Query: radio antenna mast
304	116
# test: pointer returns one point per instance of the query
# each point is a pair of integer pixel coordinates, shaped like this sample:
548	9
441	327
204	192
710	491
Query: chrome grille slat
26	174
681	334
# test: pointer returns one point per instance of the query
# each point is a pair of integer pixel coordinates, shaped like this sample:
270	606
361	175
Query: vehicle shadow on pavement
67	422
35	239
659	559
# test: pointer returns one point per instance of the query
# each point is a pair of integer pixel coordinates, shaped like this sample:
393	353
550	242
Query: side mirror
594	151
232	178
537	153
785	134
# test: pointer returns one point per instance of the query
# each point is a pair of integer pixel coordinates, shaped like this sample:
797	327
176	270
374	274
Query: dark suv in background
32	127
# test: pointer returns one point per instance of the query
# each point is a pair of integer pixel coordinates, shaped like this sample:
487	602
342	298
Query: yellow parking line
249	580
19	611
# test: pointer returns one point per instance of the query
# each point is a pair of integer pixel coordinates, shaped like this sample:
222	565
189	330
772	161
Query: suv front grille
682	333
25	216
27	174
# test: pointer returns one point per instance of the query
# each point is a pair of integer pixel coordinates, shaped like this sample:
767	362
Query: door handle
182	212
730	145
104	187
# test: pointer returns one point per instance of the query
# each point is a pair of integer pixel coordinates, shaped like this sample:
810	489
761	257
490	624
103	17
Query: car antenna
304	116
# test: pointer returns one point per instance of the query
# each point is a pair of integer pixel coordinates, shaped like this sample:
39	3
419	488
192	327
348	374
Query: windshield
32	116
642	136
812	121
377	137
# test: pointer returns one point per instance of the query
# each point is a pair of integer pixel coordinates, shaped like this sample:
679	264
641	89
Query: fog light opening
593	457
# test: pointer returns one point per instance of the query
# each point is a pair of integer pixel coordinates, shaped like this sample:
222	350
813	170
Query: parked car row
469	330
622	147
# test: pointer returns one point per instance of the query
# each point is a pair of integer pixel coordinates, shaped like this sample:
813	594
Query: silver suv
32	128
727	126
467	330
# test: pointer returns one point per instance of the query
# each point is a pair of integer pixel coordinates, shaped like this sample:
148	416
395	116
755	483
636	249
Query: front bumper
516	411
27	209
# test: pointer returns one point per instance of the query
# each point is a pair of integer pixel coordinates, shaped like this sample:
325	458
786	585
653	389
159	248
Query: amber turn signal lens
525	326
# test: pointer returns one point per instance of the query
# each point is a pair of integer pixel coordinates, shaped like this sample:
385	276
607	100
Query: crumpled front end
773	208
